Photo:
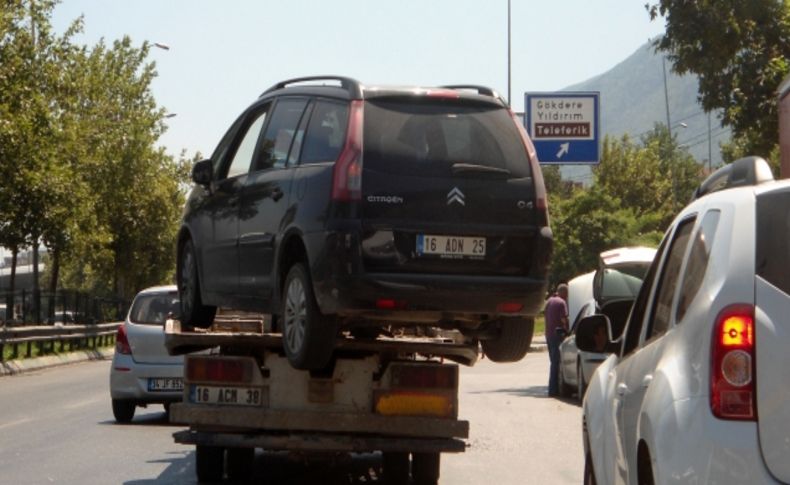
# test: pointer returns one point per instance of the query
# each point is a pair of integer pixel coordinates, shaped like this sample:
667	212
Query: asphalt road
56	426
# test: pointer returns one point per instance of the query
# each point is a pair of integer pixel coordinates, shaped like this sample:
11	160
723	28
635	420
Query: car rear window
154	309
442	139
773	234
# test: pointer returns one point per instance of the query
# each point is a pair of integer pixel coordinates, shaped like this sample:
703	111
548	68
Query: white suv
698	387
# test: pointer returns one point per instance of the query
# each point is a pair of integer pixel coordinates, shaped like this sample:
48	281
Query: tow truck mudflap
319	442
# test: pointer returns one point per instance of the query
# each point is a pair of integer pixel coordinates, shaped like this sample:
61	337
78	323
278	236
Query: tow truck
395	394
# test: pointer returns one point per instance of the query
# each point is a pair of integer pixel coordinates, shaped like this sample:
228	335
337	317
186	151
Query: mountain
633	100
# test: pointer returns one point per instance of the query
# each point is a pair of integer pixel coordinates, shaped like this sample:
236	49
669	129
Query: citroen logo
455	195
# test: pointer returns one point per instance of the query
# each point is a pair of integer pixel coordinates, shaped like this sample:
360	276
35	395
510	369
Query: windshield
441	139
154	309
622	281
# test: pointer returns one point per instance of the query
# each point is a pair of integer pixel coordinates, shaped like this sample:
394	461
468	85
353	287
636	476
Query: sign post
564	126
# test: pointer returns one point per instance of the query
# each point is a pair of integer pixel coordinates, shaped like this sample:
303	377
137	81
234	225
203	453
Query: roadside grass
540	325
36	350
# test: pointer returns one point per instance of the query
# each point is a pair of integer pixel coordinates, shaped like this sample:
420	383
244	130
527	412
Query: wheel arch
291	250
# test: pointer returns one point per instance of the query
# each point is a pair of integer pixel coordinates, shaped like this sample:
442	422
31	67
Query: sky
223	55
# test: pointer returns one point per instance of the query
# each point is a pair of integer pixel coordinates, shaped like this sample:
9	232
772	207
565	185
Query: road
56	426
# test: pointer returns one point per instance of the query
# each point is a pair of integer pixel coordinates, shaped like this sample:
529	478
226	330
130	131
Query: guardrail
46	337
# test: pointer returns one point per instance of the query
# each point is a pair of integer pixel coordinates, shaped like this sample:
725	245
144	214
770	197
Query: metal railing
75	337
27	307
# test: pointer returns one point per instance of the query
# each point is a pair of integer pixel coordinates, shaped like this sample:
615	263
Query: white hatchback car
142	371
698	389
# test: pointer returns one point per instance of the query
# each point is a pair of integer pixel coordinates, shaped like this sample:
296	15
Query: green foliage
79	166
740	49
638	190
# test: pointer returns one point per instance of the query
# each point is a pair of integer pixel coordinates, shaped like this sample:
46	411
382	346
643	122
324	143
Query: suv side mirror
594	334
202	172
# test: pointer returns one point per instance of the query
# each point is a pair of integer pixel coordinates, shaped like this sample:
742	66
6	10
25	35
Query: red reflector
406	376
509	307
389	304
219	370
736	404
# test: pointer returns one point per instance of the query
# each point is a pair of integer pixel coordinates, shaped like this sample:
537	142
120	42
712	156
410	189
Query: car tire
240	464
425	468
308	335
193	312
512	342
395	465
123	410
581	386
209	463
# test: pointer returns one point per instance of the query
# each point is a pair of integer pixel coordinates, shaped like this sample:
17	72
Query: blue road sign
564	126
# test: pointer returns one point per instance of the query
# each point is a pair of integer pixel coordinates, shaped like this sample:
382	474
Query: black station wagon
338	207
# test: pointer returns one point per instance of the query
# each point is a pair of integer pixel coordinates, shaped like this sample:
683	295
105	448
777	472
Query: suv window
698	262
635	320
436	139
280	133
659	323
773	233
240	163
326	133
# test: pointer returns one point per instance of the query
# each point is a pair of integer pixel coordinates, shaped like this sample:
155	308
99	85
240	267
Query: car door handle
647	380
622	389
277	194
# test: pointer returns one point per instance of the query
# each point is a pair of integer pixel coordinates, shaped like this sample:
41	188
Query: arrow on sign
563	149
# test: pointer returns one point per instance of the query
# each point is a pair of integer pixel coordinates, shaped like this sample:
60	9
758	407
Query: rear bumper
454	294
129	380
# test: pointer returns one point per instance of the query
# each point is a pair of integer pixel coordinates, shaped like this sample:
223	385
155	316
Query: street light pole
509	100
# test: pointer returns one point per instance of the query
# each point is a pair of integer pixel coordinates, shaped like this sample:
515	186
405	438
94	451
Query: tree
740	50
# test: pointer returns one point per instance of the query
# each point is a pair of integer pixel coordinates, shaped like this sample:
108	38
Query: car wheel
581	386
425	468
512	342
193	312
308	335
395	466
240	464
209	463
123	410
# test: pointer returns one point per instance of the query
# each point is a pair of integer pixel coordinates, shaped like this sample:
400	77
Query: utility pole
666	96
710	156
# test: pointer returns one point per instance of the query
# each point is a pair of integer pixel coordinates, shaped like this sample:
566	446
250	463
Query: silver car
611	290
142	371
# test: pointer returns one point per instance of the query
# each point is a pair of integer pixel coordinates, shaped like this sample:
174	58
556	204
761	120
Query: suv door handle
622	389
277	194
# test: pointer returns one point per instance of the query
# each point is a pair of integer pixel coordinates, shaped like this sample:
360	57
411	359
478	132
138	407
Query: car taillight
419	390
122	341
733	387
347	175
541	199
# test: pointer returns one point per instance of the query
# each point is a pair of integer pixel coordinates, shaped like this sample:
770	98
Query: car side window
698	262
280	133
659	323
240	164
222	148
326	132
635	320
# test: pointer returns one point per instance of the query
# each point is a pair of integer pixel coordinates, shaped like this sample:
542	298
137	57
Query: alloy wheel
295	315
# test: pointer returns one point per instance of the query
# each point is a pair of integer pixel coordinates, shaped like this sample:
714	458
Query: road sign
564	126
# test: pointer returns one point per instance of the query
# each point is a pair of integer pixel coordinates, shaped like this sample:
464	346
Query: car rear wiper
472	167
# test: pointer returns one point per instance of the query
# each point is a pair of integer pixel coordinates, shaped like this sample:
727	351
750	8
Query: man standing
556	314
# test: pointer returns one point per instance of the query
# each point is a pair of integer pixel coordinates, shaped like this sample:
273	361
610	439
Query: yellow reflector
414	404
737	331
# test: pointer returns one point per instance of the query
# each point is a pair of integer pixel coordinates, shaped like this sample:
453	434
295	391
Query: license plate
226	395
451	246
165	384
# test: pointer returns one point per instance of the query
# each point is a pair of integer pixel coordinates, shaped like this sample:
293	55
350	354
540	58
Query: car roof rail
743	172
483	90
353	86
